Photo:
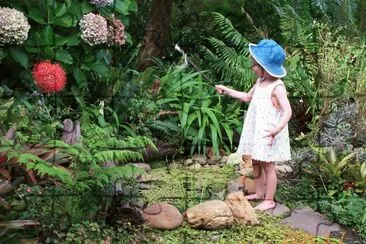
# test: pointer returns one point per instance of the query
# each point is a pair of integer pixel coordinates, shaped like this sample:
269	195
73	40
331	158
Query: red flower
48	77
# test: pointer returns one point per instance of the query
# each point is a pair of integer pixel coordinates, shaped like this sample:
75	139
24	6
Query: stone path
312	222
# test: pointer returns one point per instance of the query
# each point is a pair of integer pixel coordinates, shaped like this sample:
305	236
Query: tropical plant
230	56
200	111
330	169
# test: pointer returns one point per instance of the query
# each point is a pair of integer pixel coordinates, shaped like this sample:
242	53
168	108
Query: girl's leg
259	181
271	180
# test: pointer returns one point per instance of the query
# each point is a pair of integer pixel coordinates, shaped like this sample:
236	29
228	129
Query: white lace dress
262	115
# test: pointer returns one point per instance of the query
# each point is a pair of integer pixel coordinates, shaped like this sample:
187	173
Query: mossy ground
185	188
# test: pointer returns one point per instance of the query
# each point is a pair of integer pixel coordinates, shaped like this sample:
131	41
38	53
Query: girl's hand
220	89
270	134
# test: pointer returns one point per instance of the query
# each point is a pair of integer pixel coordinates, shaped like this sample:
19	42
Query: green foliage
200	112
347	209
92	71
229	58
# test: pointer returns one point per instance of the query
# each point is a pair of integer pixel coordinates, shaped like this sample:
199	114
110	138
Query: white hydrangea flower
94	29
14	26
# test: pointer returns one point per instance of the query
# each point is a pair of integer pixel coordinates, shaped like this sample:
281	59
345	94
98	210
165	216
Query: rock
188	162
210	215
241	209
143	186
196	166
312	222
249	186
236	185
211	154
234	159
162	216
213	162
143	166
283	169
246	171
224	159
144	178
199	158
280	210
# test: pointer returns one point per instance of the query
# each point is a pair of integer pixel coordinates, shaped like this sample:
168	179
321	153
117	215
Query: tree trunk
156	33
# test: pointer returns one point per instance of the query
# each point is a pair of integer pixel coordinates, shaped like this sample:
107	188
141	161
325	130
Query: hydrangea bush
94	29
14	26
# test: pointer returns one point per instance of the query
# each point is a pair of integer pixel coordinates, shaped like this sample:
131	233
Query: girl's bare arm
241	96
280	95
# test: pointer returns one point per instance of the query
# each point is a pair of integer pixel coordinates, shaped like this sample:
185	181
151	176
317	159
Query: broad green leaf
342	163
4	109
70	40
122	6
184	116
191	118
133	7
97	67
80	77
48	36
78	97
19	55
214	141
86	7
66	20
332	192
37	15
64	56
60	10
213	119
32	49
229	133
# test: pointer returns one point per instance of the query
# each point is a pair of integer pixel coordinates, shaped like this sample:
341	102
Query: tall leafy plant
200	111
56	35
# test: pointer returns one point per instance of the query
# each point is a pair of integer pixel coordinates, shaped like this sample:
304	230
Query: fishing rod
189	61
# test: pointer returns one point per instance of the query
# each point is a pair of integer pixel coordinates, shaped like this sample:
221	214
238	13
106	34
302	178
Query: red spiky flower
48	77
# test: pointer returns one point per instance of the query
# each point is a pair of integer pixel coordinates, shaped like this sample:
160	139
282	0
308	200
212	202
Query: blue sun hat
269	55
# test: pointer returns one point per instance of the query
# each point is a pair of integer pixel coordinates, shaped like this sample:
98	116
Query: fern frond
166	127
229	32
117	156
31	161
122	172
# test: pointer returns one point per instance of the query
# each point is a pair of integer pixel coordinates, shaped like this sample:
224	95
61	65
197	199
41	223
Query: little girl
265	133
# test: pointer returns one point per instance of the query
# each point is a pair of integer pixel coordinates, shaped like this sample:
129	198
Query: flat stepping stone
279	211
312	222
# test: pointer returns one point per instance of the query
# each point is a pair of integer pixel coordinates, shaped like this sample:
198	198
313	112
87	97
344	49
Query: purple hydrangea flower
101	3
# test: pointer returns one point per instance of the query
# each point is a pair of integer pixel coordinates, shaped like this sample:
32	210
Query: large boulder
162	216
241	209
210	215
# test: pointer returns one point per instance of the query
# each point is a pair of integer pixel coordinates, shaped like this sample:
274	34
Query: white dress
262	115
